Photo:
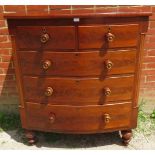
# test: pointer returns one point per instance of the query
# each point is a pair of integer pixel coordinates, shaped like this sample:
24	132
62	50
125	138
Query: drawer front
91	37
78	119
48	37
77	64
74	91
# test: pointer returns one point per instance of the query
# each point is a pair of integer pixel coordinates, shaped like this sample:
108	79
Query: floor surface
108	141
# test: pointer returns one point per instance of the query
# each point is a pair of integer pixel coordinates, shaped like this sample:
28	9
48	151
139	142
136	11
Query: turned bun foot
126	136
30	135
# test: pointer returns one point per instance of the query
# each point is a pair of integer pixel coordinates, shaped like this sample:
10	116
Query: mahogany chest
78	73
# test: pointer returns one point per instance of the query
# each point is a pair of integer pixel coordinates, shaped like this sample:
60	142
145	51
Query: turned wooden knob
48	91
108	64
110	37
107	118
52	118
46	64
107	91
44	37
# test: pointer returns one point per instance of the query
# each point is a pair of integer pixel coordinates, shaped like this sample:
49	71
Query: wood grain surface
75	91
78	64
78	119
61	37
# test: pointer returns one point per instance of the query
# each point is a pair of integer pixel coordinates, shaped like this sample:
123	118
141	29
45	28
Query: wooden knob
110	37
44	38
107	91
52	118
46	64
107	118
108	64
48	91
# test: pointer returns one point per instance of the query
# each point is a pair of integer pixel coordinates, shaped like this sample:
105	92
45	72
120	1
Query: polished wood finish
78	77
78	13
81	119
59	37
93	63
126	136
98	37
74	91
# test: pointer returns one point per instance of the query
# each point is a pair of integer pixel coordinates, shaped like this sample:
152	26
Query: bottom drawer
78	119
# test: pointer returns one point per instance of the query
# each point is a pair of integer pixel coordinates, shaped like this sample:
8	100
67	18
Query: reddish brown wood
97	36
19	84
77	63
60	37
77	13
126	136
30	135
79	77
72	119
75	91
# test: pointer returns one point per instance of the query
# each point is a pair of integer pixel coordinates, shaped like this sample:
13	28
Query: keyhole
44	30
109	29
76	54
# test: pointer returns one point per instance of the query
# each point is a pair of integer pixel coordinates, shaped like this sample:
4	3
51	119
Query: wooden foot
30	135
126	136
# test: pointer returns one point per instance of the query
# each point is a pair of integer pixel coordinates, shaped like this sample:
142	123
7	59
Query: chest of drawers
78	73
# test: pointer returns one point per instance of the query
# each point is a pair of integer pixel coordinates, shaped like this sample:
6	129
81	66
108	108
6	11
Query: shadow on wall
8	88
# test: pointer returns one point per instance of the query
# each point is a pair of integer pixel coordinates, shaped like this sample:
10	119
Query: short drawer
77	63
48	37
98	37
78	119
78	91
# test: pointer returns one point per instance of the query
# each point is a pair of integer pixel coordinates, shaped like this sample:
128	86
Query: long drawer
77	63
108	36
45	37
78	91
78	119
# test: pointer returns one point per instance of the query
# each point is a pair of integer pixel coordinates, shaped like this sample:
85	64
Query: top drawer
108	36
48	37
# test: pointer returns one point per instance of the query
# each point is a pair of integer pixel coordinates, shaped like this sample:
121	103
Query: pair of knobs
47	63
106	118
49	91
45	37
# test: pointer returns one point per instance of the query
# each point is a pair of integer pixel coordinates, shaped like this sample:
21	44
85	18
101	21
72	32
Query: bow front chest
78	73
